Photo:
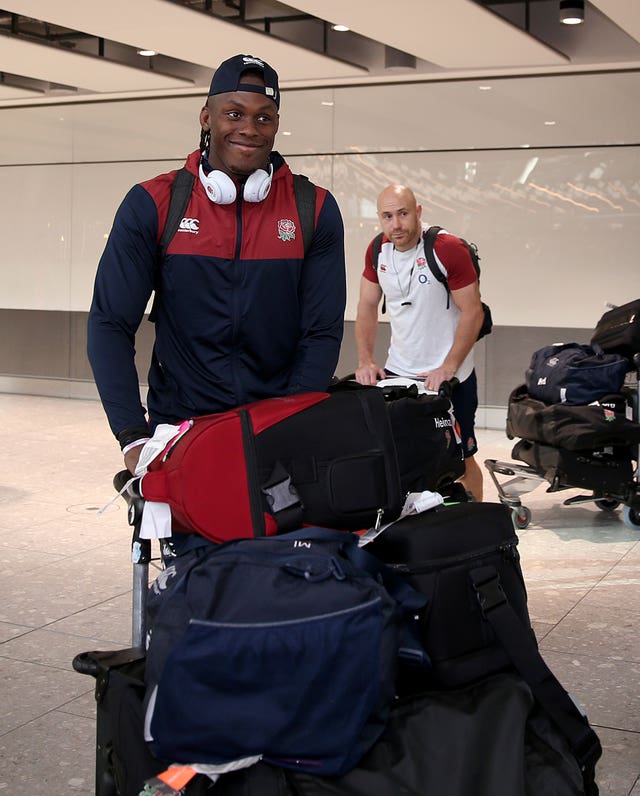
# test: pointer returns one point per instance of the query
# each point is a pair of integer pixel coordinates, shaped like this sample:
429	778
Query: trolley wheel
521	517
631	518
607	504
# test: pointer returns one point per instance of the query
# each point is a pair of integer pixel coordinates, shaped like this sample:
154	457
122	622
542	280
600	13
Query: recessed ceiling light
286	132
550	123
485	88
147	53
327	103
572	12
340	28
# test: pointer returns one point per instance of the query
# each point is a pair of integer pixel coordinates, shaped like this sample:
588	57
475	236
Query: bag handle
404	594
406	597
523	651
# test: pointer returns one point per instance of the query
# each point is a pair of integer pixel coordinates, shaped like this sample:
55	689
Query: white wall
555	246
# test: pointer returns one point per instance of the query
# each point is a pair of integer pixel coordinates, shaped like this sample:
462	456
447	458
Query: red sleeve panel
455	257
370	272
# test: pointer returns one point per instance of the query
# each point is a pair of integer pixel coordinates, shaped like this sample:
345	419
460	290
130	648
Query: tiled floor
66	582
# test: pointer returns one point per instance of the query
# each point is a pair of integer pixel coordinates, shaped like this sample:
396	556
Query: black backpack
429	237
181	187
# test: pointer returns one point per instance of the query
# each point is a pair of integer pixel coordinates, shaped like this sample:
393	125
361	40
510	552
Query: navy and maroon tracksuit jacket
243	314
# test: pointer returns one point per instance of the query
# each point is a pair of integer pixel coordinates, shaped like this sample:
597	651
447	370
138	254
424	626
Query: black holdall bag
427	441
425	434
465	559
435	551
522	755
123	759
607	470
576	428
618	330
572	373
487	739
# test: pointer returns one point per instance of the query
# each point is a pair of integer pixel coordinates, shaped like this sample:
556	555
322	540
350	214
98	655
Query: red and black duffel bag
273	465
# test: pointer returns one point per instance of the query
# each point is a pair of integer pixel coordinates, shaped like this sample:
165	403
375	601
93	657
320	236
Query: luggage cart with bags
546	737
591	445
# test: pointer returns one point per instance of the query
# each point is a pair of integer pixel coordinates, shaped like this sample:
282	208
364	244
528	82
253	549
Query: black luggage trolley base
626	494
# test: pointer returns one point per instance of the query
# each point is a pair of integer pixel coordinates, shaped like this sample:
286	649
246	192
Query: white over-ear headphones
221	189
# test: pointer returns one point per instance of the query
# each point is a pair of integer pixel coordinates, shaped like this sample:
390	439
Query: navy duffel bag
282	647
573	373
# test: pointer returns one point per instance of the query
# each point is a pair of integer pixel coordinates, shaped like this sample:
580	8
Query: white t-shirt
422	328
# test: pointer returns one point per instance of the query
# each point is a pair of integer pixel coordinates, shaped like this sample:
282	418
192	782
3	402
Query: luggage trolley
101	664
613	480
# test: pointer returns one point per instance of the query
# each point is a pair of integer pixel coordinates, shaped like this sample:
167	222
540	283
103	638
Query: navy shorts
465	404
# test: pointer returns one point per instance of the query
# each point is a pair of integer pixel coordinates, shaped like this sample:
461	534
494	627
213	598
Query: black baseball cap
228	77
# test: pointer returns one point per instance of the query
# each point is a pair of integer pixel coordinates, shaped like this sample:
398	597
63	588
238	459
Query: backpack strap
429	238
376	248
181	188
522	649
305	192
375	253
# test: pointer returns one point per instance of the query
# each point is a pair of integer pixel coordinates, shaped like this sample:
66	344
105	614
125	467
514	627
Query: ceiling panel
17	92
182	33
453	34
53	64
625	13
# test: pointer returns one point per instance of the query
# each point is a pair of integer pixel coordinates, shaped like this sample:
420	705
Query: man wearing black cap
242	310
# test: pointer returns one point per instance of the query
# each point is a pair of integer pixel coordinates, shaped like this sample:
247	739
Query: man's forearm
365	332
464	340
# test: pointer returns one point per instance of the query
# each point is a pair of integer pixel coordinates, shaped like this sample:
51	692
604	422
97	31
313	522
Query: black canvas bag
123	760
618	330
488	739
465	559
426	439
428	445
575	428
342	460
604	471
435	551
439	742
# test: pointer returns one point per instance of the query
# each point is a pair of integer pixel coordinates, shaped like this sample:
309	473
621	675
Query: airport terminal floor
66	587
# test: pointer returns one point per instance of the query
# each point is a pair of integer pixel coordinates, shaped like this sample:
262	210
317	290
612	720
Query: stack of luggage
347	621
575	416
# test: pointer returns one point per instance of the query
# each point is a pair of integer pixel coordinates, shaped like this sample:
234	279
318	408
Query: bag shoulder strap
429	238
181	188
519	644
305	193
375	251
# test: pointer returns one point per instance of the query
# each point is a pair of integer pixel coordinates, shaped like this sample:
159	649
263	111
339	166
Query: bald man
430	341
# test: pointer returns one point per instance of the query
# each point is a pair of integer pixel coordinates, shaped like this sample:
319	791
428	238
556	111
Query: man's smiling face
243	127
